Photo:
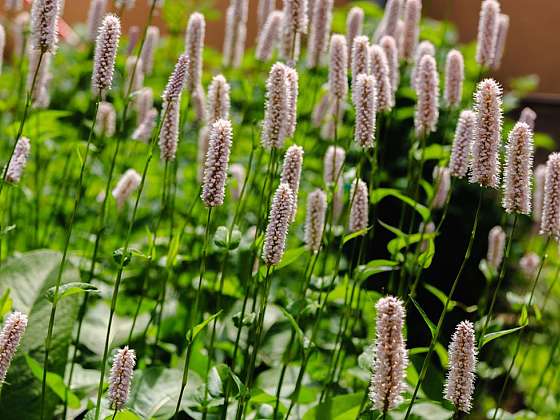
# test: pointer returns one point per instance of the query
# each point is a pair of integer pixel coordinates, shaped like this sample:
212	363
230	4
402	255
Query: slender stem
544	257
194	314
500	279
445	307
63	262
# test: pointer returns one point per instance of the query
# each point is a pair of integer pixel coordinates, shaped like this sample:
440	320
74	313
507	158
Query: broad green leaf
395	245
425	317
381	193
54	382
291	256
29	276
193	332
70	289
339	408
155	391
433	152
493	335
5	303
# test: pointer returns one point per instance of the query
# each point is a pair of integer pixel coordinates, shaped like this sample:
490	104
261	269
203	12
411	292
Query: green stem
500	280
63	262
194	313
445	307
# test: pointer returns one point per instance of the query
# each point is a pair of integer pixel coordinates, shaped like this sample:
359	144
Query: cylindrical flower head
550	219
338	68
134	74
427	92
144	130
128	183
380	70
169	132
528	116
278	224
496	243
133	36
442	182
216	166
454	75
198	99
291	173
269	36
276	108
365	101
391	52
295	12
411	29
503	27
10	337
18	161
487	32
424	48
264	10
121	377
360	61
144	103
201	152
292	80
149	48
459	387
354	23
218	99
44	25
321	108
105	122
315	219
106	47
529	264
194	43
485	165
319	32
177	80
538	197
391	358
518	172
238	177
95	16
461	151
333	163
424	231
390	18
359	206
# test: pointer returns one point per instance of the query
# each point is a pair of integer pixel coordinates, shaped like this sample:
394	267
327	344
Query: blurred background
532	45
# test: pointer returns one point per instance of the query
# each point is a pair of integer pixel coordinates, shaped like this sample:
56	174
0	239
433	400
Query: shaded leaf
70	289
497	334
429	323
381	193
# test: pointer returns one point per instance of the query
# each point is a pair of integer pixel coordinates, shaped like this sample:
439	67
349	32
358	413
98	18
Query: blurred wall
533	40
532	45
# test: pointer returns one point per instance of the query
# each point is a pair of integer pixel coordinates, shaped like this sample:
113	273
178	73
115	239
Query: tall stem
500	279
445	306
63	262
194	314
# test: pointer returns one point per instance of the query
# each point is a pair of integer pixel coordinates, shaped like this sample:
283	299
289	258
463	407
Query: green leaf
375	267
353	235
223	240
434	152
337	408
429	323
381	193
155	391
395	245
70	289
293	323
5	303
54	382
442	297
493	335
29	276
488	271
193	332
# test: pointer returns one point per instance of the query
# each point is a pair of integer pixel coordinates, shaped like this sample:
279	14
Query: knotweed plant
254	204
